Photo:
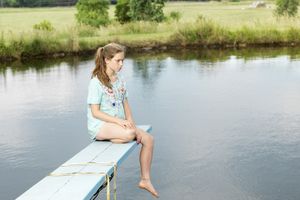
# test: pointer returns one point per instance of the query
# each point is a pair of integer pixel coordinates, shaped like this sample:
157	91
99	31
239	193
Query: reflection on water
226	123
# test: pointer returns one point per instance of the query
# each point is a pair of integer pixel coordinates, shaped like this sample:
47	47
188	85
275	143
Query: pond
226	123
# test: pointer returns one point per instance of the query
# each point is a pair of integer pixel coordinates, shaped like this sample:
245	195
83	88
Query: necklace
115	94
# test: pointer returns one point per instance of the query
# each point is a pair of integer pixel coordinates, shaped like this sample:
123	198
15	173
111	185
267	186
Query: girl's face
115	64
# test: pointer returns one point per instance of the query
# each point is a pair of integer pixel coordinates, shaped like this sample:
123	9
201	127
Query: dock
85	174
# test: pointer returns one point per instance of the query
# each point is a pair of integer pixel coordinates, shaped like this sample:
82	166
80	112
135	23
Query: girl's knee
148	139
129	135
151	138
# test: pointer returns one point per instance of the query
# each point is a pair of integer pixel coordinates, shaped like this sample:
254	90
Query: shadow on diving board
82	176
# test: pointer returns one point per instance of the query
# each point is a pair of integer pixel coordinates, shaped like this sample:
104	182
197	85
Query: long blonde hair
108	52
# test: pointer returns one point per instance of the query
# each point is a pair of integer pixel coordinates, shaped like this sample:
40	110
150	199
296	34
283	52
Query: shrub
3	48
92	12
287	8
147	10
86	31
200	18
199	32
36	44
293	34
175	15
138	27
122	11
206	32
44	26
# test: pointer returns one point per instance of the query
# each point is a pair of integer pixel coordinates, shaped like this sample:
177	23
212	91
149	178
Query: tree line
283	7
49	3
36	3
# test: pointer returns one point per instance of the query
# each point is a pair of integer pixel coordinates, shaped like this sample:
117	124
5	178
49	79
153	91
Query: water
226	123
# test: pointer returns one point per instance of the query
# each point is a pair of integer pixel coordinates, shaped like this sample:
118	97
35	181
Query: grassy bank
212	24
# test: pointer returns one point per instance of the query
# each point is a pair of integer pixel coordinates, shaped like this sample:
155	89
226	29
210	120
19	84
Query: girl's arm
97	113
128	114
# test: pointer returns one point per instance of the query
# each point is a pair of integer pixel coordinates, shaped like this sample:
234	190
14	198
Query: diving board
82	175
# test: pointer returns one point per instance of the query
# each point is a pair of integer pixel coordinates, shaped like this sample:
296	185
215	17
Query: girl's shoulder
95	81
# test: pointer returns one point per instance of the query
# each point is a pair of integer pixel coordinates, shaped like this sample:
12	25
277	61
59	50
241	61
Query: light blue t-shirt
110	101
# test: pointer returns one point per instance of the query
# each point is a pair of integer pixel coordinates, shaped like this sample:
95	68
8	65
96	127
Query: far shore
152	48
202	25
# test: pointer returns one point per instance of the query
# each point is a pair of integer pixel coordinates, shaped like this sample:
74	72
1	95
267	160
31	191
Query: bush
39	44
92	12
44	26
147	10
200	18
205	32
293	35
4	50
175	15
287	8
122	11
137	27
86	31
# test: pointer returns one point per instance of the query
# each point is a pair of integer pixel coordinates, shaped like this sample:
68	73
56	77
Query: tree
287	7
7	3
36	3
148	10
92	12
122	11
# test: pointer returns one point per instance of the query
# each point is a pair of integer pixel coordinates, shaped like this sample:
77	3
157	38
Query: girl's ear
107	60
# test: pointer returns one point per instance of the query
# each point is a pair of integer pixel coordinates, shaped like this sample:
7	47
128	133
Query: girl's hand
132	123
124	123
138	135
138	138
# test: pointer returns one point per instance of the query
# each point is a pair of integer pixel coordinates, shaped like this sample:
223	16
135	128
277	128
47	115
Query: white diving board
82	176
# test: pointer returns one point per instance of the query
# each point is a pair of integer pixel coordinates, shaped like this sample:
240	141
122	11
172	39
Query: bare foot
147	185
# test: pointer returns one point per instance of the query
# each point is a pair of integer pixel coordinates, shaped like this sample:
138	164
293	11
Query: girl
109	115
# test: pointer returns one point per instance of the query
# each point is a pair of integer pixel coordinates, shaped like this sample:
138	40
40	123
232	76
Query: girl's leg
115	133
145	160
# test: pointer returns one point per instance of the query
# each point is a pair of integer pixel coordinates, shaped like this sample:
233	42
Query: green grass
222	23
227	14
